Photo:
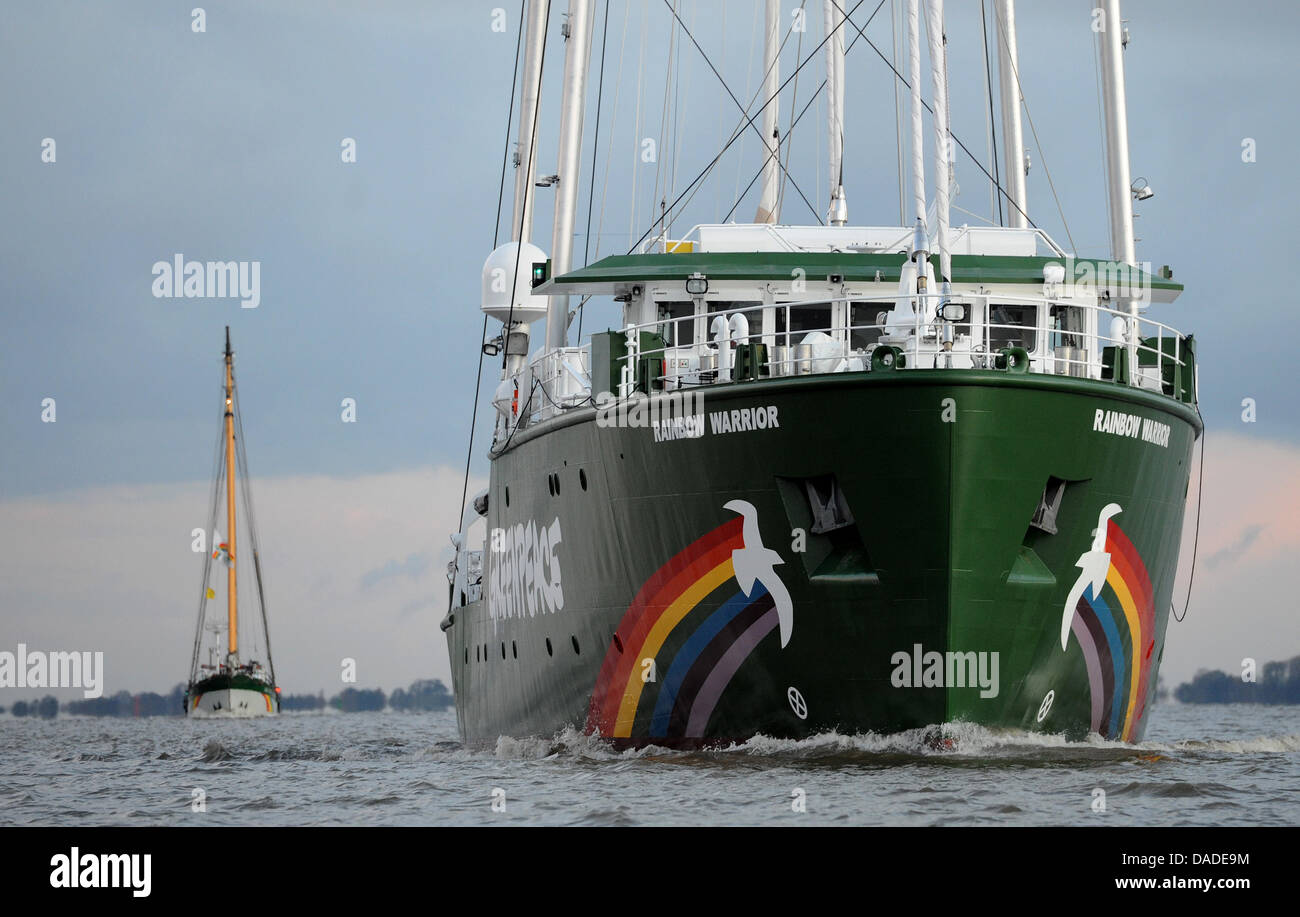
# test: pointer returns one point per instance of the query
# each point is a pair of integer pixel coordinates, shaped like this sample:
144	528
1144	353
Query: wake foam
958	740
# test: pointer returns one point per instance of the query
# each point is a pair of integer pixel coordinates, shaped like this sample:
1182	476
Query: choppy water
1229	765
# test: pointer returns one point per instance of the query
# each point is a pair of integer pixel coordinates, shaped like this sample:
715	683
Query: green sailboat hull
858	552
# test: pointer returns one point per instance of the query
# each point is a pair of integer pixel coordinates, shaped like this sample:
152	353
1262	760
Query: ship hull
700	586
226	698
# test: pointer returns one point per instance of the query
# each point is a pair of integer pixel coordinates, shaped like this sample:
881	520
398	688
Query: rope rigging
496	237
749	122
241	464
1196	538
218	466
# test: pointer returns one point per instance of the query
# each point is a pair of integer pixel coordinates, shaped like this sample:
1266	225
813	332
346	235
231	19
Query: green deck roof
620	270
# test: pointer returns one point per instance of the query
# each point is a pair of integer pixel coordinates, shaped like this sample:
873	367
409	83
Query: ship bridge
751	302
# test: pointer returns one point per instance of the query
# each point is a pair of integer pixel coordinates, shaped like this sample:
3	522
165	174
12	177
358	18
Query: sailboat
231	682
830	477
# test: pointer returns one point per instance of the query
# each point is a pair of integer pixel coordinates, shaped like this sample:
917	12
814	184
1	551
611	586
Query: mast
769	208
529	108
231	609
1122	244
1117	164
942	153
1012	131
919	242
838	214
577	55
515	334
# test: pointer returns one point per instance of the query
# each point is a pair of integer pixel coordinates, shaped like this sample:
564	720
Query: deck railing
1100	342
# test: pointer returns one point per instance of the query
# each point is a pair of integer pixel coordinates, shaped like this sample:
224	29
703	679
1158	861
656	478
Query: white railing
789	238
924	339
561	379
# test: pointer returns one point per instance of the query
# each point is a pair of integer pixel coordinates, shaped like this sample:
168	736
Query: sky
226	144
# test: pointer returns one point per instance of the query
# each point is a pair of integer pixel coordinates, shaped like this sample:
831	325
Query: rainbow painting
1116	631
696	590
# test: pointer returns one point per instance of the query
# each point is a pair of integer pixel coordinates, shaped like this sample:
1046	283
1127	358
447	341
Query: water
1229	765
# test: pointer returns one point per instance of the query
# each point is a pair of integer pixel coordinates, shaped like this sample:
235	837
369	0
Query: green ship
826	478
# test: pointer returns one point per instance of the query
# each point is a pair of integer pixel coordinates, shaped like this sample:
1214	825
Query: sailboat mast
231	609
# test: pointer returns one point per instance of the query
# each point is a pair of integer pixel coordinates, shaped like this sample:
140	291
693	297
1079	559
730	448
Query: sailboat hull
870	557
237	696
233	703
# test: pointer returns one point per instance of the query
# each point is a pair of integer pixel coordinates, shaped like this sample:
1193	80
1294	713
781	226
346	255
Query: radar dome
506	262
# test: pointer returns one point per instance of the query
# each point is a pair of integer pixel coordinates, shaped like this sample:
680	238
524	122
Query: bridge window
809	318
1013	326
1067	326
867	321
681	332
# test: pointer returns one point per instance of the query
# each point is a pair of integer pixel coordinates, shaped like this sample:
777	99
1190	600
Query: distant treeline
1278	683
423	694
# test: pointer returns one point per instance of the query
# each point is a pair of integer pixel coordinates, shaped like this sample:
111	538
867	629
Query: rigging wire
971	213
795	122
523	412
965	149
679	116
1015	72
738	131
750	122
717	198
595	147
613	129
241	464
662	153
1196	539
708	168
993	131
749	70
496	237
219	465
637	148
794	102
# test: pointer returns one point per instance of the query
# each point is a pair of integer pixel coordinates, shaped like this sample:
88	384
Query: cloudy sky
225	144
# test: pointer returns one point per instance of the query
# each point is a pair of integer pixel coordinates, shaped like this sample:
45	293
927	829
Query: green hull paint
877	267
944	557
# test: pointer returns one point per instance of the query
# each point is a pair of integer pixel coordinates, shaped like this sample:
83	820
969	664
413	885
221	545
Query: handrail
906	233
977	343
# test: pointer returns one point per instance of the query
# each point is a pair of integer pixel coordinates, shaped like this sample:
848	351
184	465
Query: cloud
1243	595
1236	549
111	569
413	567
